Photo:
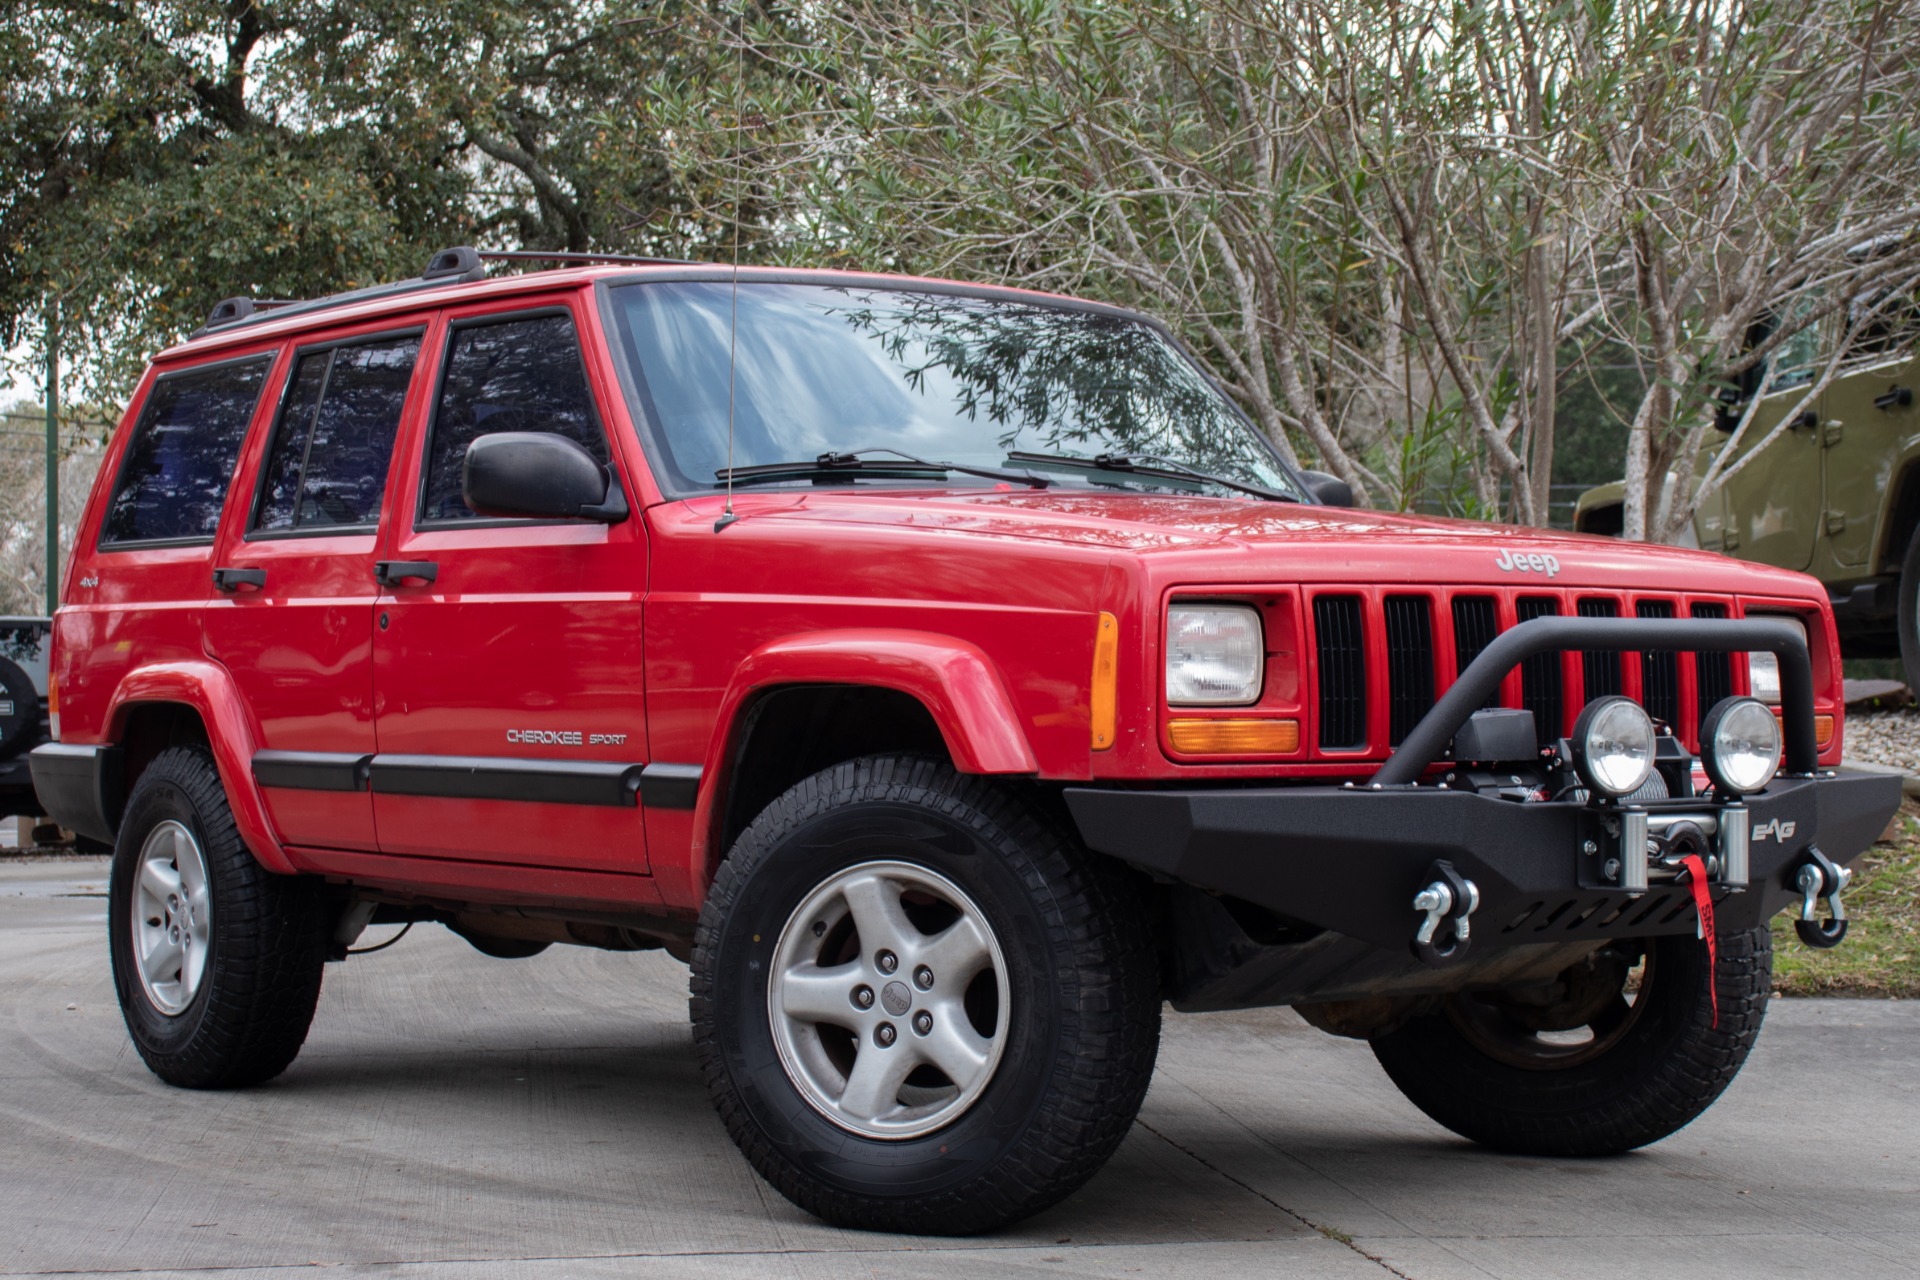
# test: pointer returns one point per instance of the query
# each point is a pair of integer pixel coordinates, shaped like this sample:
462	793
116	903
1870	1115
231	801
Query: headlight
1215	655
1740	745
1613	746
1763	669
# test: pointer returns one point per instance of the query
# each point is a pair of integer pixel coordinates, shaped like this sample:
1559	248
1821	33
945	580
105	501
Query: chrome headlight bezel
1609	731
1740	745
1216	654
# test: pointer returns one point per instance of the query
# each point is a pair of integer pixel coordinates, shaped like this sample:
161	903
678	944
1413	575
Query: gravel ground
1885	737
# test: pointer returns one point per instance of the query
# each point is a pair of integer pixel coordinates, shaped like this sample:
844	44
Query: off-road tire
1667	1068
1083	1019
1907	614
266	949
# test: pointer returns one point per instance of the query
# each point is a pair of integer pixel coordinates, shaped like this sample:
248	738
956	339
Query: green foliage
155	158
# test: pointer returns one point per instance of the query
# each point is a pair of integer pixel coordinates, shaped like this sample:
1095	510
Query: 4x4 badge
1778	828
1514	561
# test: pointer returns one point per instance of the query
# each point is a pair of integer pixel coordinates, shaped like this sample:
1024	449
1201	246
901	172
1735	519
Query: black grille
1602	667
1475	623
1343	672
1660	672
1712	672
1409	664
1540	683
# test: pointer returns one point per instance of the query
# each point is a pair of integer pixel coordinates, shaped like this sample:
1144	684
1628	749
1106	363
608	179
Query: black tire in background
1665	1064
1907	615
19	709
266	944
1082	999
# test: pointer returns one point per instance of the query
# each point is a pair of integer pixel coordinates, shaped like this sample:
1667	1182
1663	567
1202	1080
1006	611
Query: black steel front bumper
1351	859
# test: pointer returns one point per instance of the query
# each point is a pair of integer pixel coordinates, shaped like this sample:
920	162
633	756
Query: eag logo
1778	829
1515	562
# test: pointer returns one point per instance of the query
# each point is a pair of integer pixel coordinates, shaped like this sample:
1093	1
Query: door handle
396	573
1896	398
234	579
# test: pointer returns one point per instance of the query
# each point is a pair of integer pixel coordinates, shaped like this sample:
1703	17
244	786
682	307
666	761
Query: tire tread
1111	1006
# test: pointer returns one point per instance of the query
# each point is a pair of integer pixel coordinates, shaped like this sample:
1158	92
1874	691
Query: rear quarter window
181	459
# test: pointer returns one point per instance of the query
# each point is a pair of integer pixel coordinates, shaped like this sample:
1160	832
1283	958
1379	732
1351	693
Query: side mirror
538	474
1328	491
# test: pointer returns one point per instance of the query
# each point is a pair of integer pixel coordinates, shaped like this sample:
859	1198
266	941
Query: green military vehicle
1837	494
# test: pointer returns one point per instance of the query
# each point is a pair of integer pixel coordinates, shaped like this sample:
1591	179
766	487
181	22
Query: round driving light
1740	745
1613	746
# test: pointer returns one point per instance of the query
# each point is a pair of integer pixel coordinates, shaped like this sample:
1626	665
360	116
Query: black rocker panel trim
497	778
312	770
615	784
670	786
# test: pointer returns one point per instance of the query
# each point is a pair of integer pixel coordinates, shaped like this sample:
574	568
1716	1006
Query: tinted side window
328	465
517	375
180	462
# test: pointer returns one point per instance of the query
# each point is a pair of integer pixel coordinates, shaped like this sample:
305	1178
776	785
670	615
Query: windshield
825	369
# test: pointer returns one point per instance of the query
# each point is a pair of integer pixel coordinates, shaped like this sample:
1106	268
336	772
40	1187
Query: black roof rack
458	265
583	259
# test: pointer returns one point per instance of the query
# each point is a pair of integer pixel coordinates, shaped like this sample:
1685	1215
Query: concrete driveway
456	1116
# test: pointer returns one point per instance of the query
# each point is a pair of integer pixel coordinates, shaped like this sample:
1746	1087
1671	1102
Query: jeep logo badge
1515	562
1778	829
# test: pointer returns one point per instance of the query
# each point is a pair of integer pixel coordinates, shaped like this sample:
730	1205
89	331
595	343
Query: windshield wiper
1151	464
853	462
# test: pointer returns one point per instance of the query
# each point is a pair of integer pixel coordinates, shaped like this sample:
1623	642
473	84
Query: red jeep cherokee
950	674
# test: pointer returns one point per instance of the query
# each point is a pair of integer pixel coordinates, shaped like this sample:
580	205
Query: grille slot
1341	646
1712	672
1409	622
1601	667
1660	672
1475	624
1540	683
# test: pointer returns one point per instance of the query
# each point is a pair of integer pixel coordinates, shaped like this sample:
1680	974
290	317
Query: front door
292	614
1864	423
507	674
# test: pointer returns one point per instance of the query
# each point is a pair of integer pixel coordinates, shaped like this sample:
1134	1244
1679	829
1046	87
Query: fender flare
953	679
209	690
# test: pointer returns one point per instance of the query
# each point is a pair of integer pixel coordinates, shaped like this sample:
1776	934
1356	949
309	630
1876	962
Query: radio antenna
727	516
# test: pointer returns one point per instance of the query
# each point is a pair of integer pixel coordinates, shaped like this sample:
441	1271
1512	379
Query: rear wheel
920	1006
1623	1052
216	961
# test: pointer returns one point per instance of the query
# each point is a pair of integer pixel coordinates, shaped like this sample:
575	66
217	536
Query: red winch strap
1703	907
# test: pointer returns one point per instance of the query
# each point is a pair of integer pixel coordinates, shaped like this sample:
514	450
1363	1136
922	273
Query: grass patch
1881	954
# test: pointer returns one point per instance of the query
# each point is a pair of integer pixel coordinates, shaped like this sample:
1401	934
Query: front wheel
919	1006
1622	1050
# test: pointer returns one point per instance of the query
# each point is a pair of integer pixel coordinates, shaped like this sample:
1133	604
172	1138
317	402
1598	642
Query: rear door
507	653
138	592
292	614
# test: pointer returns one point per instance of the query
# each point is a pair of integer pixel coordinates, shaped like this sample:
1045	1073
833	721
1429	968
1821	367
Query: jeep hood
1225	539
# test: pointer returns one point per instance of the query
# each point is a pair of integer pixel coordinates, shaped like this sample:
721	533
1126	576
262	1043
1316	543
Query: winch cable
1696	869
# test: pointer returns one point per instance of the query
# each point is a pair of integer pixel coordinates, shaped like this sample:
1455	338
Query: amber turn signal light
1234	737
1822	728
1106	674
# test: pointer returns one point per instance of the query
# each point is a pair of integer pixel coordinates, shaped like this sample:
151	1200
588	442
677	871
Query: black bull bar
1352	858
